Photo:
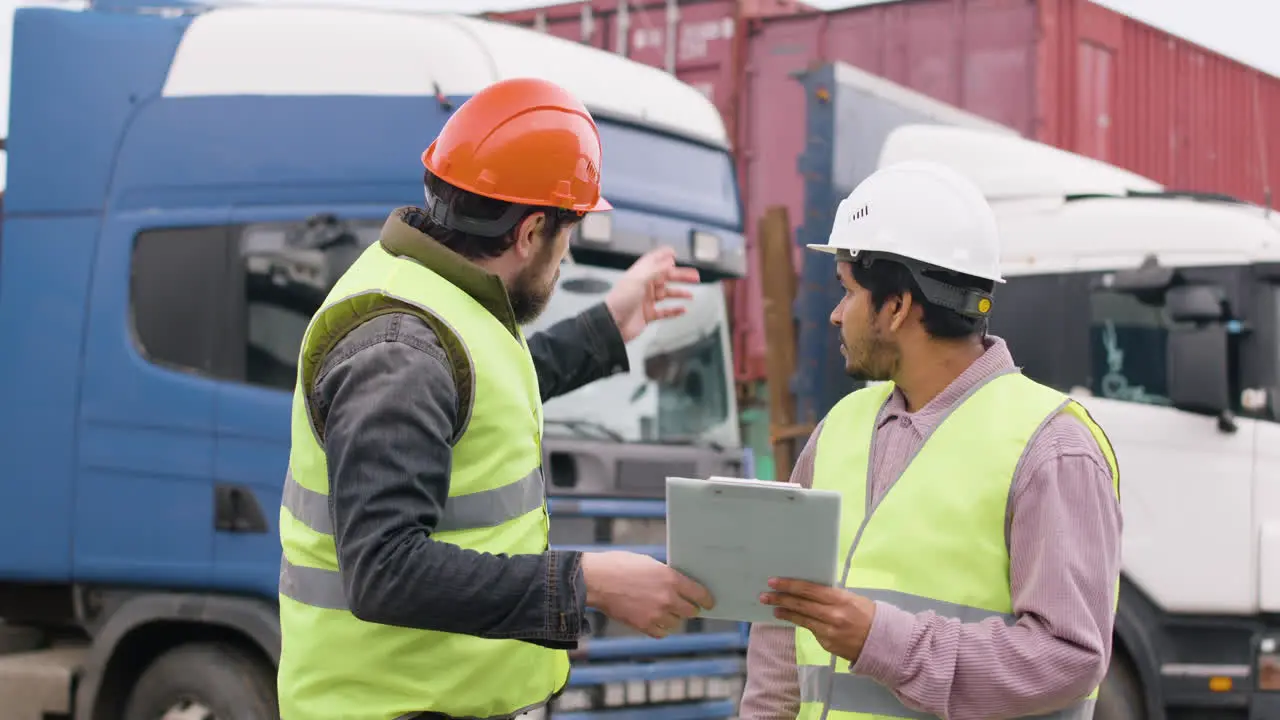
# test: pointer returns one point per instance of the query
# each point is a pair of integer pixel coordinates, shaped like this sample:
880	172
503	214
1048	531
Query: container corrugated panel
640	35
1119	90
975	54
570	21
708	36
1067	72
705	32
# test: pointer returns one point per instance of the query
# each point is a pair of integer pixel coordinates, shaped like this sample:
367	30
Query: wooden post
778	285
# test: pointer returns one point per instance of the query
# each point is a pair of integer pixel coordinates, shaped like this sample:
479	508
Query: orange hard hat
525	141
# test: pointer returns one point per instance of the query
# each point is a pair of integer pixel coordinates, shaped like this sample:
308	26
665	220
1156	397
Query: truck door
1266	468
145	459
282	263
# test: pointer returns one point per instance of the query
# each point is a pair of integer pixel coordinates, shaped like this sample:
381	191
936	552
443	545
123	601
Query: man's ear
902	307
529	235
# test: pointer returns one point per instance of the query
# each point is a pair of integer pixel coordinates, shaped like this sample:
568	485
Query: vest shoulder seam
458	361
393	308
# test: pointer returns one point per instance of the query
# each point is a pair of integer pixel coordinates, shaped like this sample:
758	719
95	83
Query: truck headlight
1269	664
596	227
705	246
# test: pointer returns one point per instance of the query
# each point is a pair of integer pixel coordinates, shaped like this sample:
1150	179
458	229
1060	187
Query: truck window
670	174
177	285
1043	319
1068	331
233	302
1127	339
288	270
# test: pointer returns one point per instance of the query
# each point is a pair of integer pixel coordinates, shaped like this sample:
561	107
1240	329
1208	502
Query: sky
1242	29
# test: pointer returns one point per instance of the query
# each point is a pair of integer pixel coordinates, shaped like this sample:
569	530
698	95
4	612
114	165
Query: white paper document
733	534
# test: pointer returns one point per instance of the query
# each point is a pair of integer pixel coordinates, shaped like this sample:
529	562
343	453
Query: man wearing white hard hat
981	517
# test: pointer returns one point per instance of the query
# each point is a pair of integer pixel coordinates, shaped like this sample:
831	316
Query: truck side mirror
1195	304
1198	374
1198	371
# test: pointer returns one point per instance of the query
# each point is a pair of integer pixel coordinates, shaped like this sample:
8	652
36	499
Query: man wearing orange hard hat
416	580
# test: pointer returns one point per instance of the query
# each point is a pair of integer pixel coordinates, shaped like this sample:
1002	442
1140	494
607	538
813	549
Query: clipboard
732	535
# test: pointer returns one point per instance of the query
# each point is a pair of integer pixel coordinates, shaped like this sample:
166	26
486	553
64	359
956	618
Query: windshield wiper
588	428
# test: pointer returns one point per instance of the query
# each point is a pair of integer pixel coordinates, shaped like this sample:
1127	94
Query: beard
874	358
529	293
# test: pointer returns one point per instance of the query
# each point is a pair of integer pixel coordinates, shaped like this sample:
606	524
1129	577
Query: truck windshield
662	172
679	386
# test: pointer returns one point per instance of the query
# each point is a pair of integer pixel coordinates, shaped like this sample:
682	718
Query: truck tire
1120	697
204	681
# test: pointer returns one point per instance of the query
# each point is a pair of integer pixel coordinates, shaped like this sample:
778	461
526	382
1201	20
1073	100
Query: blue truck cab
184	184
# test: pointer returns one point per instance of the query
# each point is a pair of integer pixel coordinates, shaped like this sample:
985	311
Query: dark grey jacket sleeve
577	351
389	407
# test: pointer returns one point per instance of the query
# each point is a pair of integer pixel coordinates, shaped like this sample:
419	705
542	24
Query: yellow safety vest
936	541
333	665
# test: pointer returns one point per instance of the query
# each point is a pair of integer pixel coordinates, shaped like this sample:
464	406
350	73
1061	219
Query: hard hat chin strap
969	302
966	301
442	214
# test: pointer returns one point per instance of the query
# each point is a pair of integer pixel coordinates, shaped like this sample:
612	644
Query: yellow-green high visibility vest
333	665
936	540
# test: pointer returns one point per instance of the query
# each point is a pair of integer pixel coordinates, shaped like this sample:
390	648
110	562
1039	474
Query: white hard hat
922	211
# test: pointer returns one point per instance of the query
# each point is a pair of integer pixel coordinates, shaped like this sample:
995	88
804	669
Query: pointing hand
634	299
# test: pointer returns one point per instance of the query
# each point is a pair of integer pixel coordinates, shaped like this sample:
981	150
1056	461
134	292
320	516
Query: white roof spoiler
1007	167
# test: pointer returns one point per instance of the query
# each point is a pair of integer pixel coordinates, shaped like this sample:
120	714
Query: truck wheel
204	681
1120	697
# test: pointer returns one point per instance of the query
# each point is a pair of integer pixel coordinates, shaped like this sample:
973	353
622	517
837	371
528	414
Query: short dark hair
468	204
885	278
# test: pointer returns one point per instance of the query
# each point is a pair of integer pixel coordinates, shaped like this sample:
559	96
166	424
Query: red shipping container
706	54
706	34
1066	72
1116	89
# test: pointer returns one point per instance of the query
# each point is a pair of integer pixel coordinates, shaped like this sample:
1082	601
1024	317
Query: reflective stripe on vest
486	508
334	665
860	695
936	539
322	588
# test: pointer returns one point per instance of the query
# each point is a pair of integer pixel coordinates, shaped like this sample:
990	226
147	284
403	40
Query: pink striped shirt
1063	526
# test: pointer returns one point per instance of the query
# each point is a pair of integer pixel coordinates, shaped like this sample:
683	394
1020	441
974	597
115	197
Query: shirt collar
403	235
995	360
